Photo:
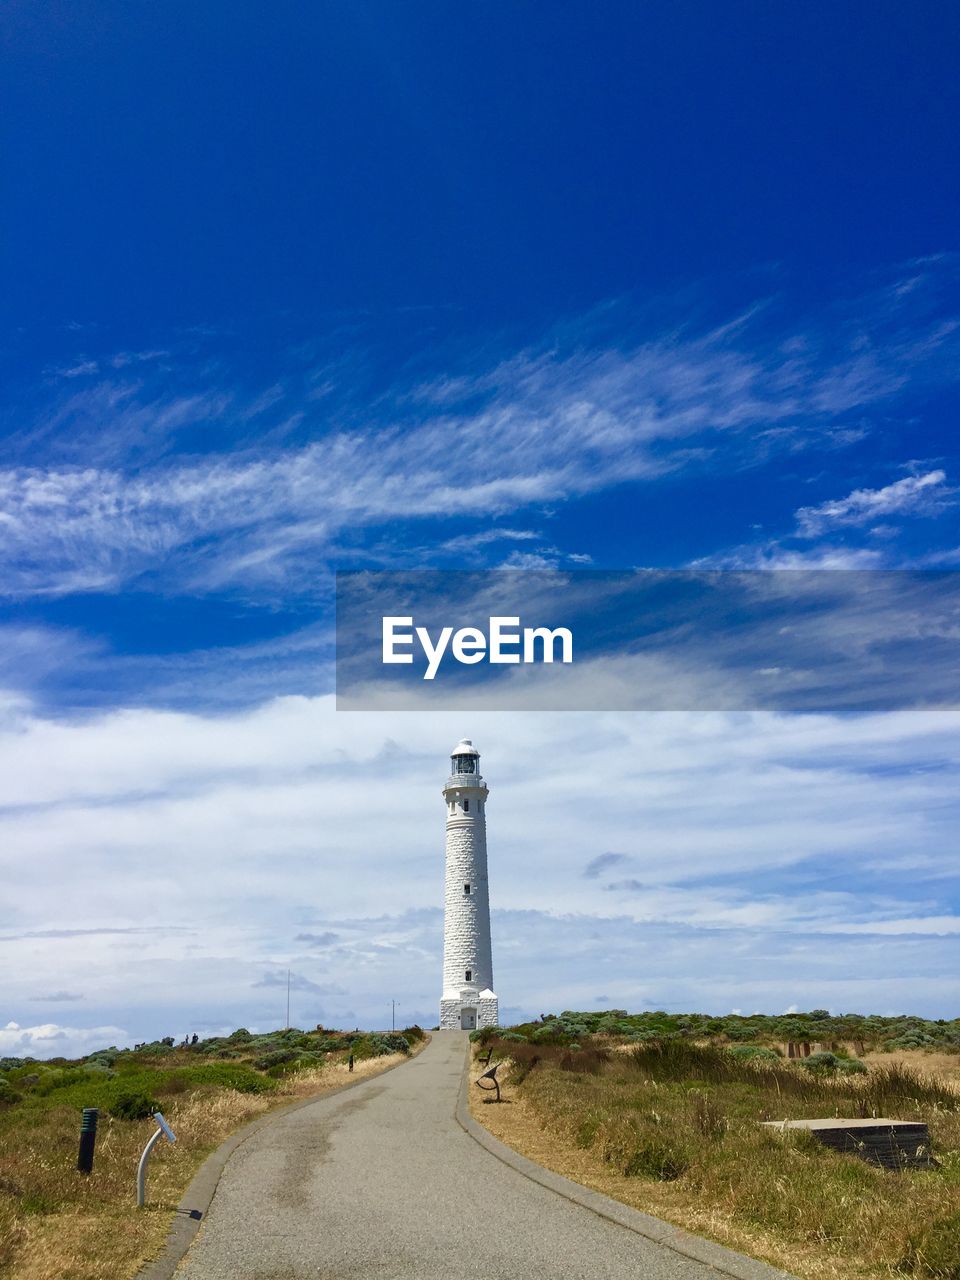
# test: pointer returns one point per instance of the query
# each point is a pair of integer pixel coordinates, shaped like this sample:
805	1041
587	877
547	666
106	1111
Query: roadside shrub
852	1067
754	1053
935	1251
821	1062
8	1093
302	1062
231	1075
107	1057
97	1068
413	1034
482	1035
59	1079
396	1043
133	1105
659	1158
275	1058
371	1045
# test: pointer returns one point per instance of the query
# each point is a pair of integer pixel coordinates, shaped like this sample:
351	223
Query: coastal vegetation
59	1224
665	1112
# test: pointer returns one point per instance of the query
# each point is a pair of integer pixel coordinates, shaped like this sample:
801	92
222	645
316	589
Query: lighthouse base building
468	1000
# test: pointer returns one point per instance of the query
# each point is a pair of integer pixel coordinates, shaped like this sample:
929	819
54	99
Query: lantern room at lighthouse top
465	766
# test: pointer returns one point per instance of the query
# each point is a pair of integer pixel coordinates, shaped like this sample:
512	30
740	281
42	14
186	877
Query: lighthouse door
468	1019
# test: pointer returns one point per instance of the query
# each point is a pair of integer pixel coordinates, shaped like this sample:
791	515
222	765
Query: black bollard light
88	1136
350	1063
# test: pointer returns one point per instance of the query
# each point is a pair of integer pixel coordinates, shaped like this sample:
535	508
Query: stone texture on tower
468	1000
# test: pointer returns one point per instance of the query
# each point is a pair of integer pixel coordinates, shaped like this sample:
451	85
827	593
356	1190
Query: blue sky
397	286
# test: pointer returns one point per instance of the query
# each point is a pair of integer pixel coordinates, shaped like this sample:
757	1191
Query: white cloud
471	541
49	1040
772	555
115	501
923	495
197	853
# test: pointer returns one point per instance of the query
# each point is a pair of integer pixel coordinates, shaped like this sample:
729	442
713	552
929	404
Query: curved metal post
142	1168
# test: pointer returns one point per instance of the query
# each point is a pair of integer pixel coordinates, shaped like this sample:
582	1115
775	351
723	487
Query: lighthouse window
466	888
464	764
466	806
469	977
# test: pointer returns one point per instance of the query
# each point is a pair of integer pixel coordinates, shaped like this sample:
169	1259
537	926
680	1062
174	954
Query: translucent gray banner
680	640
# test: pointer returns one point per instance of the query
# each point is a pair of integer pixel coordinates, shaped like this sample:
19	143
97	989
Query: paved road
382	1182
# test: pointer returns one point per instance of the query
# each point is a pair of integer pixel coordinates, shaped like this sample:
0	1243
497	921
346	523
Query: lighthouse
468	1000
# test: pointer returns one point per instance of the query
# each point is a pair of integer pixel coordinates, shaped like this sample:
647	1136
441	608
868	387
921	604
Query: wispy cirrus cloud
916	495
874	516
190	480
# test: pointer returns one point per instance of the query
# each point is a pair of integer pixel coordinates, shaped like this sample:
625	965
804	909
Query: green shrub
97	1068
105	1056
935	1251
821	1062
59	1079
302	1062
275	1058
133	1105
484	1034
852	1067
8	1093
656	1157
228	1075
370	1045
754	1053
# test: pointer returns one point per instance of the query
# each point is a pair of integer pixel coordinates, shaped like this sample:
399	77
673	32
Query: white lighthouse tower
468	1000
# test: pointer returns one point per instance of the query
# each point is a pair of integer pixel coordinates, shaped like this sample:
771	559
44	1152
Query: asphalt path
382	1182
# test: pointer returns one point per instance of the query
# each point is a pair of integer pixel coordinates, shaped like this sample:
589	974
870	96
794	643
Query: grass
58	1224
672	1128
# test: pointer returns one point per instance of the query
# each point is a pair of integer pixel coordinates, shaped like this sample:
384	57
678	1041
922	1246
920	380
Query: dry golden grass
785	1200
89	1228
925	1062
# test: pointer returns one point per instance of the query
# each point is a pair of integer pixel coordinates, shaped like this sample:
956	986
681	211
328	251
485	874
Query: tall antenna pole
287	1027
